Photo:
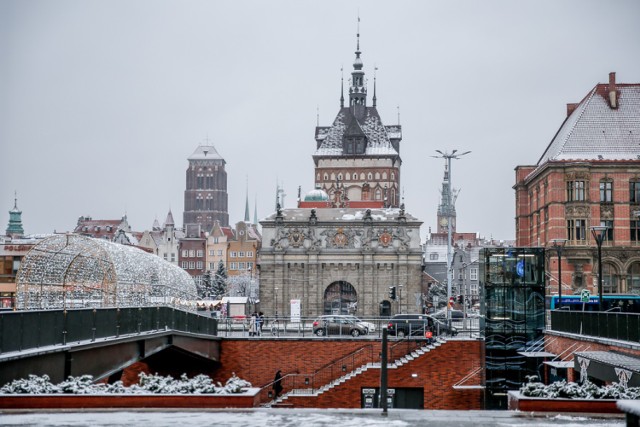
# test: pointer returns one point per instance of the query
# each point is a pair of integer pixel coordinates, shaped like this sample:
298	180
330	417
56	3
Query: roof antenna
317	115
398	115
358	34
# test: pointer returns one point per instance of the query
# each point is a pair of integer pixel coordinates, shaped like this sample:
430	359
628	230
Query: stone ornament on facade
584	366
624	375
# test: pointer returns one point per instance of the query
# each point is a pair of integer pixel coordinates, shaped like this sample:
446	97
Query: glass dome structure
71	271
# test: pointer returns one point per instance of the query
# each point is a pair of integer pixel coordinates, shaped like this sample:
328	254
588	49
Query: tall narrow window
634	191
575	191
609	233
606	191
577	229
635	231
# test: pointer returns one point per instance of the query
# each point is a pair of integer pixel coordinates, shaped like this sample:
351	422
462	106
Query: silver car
370	327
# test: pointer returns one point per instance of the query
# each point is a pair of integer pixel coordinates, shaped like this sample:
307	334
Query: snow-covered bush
156	384
571	390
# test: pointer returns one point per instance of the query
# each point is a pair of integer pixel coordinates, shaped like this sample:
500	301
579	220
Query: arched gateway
340	298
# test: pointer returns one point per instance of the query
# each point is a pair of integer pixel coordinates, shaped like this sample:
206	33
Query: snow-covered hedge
571	390
156	384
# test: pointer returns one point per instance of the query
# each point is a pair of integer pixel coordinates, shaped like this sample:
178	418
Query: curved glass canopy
72	271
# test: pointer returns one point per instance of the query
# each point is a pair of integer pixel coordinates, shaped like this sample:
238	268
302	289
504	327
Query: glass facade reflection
512	283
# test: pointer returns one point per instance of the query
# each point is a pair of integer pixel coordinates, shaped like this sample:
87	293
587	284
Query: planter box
248	399
518	402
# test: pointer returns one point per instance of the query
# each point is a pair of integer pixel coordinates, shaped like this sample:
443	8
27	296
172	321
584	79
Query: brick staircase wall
437	371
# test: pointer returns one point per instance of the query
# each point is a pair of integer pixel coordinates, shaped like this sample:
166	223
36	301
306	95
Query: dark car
337	325
455	314
402	325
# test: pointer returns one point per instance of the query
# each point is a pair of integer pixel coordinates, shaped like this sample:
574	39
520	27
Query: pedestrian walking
253	327
277	384
260	322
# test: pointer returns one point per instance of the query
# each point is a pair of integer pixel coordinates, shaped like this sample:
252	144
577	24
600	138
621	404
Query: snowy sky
102	102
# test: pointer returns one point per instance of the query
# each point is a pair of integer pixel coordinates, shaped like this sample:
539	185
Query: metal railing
612	325
23	330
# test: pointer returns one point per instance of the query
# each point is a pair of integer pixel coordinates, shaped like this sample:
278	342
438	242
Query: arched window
377	176
633	276
339	177
384	176
393	176
378	194
333	176
362	176
370	176
609	278
326	177
317	177
347	177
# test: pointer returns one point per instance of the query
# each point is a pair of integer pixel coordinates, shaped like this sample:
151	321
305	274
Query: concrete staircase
281	401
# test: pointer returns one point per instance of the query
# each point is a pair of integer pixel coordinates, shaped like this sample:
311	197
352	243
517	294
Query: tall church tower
205	197
357	158
447	207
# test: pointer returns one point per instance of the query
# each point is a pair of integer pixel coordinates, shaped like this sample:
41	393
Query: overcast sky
102	102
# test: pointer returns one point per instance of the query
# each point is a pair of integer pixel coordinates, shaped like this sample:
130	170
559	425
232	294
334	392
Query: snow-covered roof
378	142
596	131
205	152
341	214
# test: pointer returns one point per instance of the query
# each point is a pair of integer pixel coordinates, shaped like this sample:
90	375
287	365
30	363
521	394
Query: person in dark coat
277	385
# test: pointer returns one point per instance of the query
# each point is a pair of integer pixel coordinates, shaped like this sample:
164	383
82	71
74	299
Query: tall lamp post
599	233
449	209
558	245
276	288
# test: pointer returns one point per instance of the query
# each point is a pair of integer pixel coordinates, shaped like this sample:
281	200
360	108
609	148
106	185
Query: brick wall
437	371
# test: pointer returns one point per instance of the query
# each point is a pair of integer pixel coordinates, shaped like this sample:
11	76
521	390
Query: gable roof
596	131
205	152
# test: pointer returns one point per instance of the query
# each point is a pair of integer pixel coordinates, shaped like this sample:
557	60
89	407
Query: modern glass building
512	286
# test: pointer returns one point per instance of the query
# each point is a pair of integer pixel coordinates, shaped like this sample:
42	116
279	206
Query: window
173	257
233	254
241	254
474	274
200	253
192	265
185	254
609	233
634	278
164	256
249	254
609	279
216	240
249	266
192	253
635	231
241	266
433	257
606	191
577	229
575	191
232	266
212	266
199	265
185	264
211	252
219	252
634	191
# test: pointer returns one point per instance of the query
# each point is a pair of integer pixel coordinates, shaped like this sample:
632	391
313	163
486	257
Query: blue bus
610	302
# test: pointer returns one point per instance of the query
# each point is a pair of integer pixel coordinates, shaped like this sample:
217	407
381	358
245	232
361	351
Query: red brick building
589	175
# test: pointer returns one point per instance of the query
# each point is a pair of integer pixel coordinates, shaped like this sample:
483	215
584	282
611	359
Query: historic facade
357	158
205	197
340	261
589	175
163	240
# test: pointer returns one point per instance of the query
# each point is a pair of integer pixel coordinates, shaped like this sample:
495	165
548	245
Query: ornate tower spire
358	90
255	211
14	228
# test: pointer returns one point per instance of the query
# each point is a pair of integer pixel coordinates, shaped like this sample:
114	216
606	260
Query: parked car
402	325
455	314
337	325
370	326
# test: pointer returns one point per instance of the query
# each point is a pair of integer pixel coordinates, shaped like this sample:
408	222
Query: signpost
584	297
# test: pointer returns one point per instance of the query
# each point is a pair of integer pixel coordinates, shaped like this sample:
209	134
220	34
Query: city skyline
102	103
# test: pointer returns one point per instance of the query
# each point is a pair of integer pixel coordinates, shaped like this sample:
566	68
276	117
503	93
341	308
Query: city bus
611	302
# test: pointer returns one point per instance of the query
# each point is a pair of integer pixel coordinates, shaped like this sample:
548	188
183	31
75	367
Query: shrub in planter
571	390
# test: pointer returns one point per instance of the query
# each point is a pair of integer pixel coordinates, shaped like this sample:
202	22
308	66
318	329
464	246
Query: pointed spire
375	69
14	228
255	211
246	207
341	87
358	89
169	221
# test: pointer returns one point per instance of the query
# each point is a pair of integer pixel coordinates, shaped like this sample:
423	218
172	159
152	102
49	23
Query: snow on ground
299	417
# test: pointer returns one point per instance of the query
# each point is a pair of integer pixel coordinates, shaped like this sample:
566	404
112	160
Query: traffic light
392	292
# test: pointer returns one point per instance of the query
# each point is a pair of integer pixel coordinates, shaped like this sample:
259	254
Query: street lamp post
449	206
599	233
558	245
276	288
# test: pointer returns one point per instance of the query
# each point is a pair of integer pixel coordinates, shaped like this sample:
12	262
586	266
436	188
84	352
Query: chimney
571	108
613	94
